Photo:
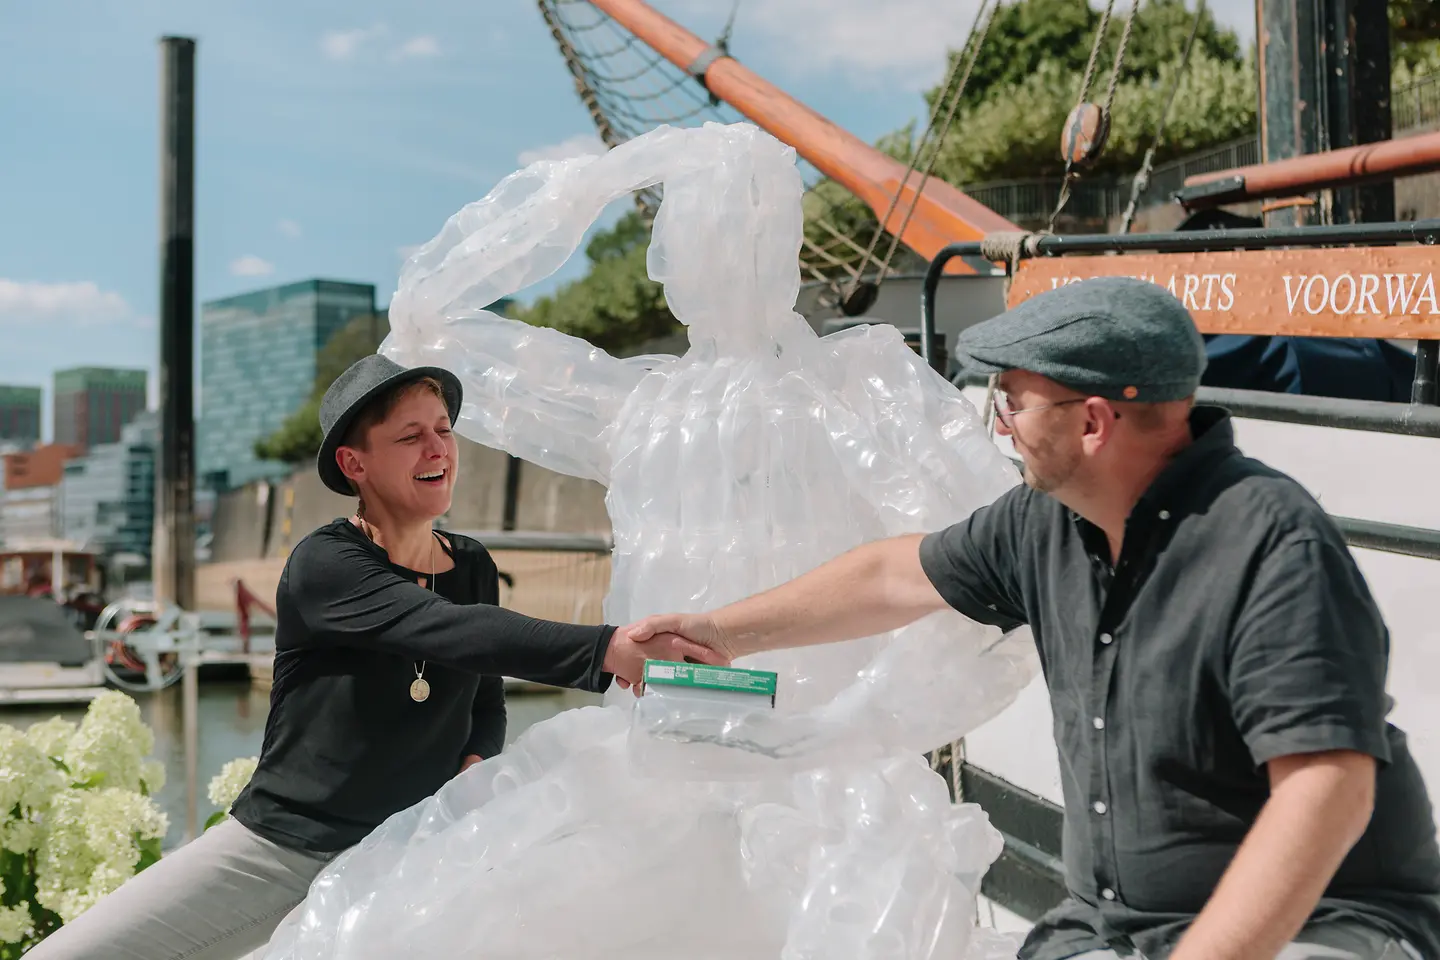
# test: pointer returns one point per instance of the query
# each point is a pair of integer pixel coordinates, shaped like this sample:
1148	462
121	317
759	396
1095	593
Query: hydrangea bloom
232	778
76	818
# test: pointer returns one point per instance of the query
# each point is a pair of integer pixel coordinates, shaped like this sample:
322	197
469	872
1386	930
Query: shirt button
1164	514
1099	723
1106	638
1100	807
1108	894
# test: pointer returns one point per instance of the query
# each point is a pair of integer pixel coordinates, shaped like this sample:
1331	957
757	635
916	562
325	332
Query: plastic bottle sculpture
813	831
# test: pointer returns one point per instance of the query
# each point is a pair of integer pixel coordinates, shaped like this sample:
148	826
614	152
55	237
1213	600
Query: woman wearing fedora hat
389	654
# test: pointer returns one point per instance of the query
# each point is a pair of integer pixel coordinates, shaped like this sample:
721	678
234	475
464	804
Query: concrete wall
257	526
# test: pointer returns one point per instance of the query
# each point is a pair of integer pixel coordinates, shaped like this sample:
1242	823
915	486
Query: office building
257	366
19	416
107	497
27	502
93	403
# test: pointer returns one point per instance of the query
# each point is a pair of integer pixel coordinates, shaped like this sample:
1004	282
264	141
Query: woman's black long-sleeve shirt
345	745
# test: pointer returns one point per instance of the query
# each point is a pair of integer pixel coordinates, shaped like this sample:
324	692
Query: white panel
1019	745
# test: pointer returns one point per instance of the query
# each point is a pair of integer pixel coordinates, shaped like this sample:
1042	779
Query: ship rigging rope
1070	173
973	43
1142	178
630	89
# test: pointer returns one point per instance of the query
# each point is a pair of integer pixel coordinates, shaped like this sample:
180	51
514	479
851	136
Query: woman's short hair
378	409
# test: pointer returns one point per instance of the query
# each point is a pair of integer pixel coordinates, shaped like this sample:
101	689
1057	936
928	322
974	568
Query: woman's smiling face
406	465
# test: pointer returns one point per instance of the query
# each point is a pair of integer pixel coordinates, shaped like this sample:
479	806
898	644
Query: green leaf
215	818
149	853
13	869
94	780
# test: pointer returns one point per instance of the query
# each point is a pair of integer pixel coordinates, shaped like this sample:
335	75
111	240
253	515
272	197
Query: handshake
670	636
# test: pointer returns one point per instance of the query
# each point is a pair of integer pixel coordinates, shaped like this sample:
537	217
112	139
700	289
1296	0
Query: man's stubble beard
1046	470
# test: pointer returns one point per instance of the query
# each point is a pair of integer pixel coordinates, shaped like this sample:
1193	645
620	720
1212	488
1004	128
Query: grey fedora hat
366	379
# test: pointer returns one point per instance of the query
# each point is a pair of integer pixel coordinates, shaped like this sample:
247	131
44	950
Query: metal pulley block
1084	136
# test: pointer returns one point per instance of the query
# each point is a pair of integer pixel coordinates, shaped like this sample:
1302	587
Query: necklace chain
419	687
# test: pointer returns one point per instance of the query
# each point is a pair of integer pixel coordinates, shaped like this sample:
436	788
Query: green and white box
698	681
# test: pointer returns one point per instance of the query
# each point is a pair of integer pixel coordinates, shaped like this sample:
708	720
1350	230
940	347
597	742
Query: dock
48	696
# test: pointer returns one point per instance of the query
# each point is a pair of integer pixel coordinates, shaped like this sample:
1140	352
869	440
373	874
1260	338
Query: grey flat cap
1113	337
363	381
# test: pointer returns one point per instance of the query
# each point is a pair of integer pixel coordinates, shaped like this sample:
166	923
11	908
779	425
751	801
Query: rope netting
629	89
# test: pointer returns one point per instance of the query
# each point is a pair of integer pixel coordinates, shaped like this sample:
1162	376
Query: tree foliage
1414	21
1028	34
298	438
616	304
1028	74
1017	134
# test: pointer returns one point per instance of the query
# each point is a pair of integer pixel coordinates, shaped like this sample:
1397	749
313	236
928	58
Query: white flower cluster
91	846
15	922
75	811
225	787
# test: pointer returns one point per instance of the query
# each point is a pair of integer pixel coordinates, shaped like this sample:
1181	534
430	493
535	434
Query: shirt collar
1212	435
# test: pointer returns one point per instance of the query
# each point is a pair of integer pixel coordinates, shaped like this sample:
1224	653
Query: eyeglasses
1005	412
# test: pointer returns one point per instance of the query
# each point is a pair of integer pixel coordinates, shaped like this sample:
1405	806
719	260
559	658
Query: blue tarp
1354	369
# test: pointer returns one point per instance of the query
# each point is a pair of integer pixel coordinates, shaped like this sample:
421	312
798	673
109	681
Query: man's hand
470	761
694	630
627	655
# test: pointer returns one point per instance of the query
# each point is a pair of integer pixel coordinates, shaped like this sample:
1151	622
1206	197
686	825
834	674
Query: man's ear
1100	417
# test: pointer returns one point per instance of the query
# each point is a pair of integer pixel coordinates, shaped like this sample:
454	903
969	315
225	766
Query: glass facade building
92	404
257	366
107	498
20	415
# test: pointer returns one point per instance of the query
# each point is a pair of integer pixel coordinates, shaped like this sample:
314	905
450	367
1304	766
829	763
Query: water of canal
232	724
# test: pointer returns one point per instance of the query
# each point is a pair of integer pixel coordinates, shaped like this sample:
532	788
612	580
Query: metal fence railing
553	576
1416	105
1028	202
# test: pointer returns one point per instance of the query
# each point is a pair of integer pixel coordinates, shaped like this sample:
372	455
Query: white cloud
251	266
580	145
289	228
79	302
358	42
421	47
899	42
344	44
902	42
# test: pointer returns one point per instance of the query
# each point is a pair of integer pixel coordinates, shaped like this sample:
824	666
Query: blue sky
332	136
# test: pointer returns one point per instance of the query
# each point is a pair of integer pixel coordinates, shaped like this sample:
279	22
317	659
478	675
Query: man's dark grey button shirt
1235	628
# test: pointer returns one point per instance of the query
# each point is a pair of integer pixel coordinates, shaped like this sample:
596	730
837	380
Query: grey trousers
218	897
1331	941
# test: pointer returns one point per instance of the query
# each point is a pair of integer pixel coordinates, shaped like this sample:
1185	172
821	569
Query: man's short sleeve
974	564
1308	661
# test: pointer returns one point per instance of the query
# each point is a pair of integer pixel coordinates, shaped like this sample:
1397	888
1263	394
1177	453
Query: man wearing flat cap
1215	661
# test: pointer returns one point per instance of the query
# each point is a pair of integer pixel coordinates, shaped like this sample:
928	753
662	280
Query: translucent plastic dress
642	829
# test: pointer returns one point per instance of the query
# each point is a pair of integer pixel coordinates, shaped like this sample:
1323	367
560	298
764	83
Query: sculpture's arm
532	392
942	462
535	393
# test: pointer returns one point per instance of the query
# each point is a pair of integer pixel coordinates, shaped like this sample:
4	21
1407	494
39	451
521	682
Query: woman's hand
626	657
697	634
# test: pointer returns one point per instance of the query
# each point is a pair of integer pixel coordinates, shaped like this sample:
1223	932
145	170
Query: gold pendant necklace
420	687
